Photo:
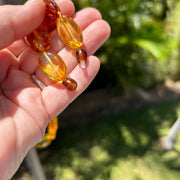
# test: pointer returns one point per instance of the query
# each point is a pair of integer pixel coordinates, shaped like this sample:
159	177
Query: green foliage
138	50
173	26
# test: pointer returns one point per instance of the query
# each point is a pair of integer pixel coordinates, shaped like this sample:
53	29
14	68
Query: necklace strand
50	62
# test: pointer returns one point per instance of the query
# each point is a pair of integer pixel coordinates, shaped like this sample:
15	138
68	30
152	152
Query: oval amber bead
52	10
53	66
51	14
69	32
39	39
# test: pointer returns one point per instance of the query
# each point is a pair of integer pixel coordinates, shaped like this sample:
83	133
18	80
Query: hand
25	109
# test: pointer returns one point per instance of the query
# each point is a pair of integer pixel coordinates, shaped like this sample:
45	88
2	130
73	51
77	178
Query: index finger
18	21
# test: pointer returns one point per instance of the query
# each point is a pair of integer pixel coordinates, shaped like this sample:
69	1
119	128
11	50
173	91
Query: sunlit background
112	131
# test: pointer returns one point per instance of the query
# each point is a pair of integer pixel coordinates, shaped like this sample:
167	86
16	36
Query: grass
123	146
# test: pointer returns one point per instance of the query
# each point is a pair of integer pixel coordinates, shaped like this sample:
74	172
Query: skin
25	109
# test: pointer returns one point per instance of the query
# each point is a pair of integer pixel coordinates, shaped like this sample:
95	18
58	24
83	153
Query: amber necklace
50	62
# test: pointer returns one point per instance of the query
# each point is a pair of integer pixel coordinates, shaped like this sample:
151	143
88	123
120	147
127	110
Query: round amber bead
53	66
69	32
70	84
39	39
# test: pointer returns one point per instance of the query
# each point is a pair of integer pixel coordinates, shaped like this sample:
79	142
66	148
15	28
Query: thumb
18	21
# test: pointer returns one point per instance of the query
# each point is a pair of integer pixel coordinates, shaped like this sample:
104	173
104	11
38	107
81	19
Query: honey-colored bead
50	134
53	66
69	32
70	84
82	57
52	127
39	39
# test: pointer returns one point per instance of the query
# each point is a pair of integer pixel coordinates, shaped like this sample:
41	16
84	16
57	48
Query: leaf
158	50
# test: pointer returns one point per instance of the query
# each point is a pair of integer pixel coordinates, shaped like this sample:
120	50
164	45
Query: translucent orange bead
51	14
69	32
39	39
53	66
52	9
82	57
50	134
70	84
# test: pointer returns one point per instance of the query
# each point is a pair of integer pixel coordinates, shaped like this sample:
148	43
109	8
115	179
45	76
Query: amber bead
50	134
52	127
82	57
69	32
39	39
52	9
53	66
51	14
70	84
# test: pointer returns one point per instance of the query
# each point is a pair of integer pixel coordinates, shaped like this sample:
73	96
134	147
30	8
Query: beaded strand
50	62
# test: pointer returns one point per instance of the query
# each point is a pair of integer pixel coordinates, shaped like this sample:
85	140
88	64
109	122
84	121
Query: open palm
25	109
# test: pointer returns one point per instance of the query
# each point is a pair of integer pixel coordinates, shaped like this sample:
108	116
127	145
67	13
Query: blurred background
112	130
